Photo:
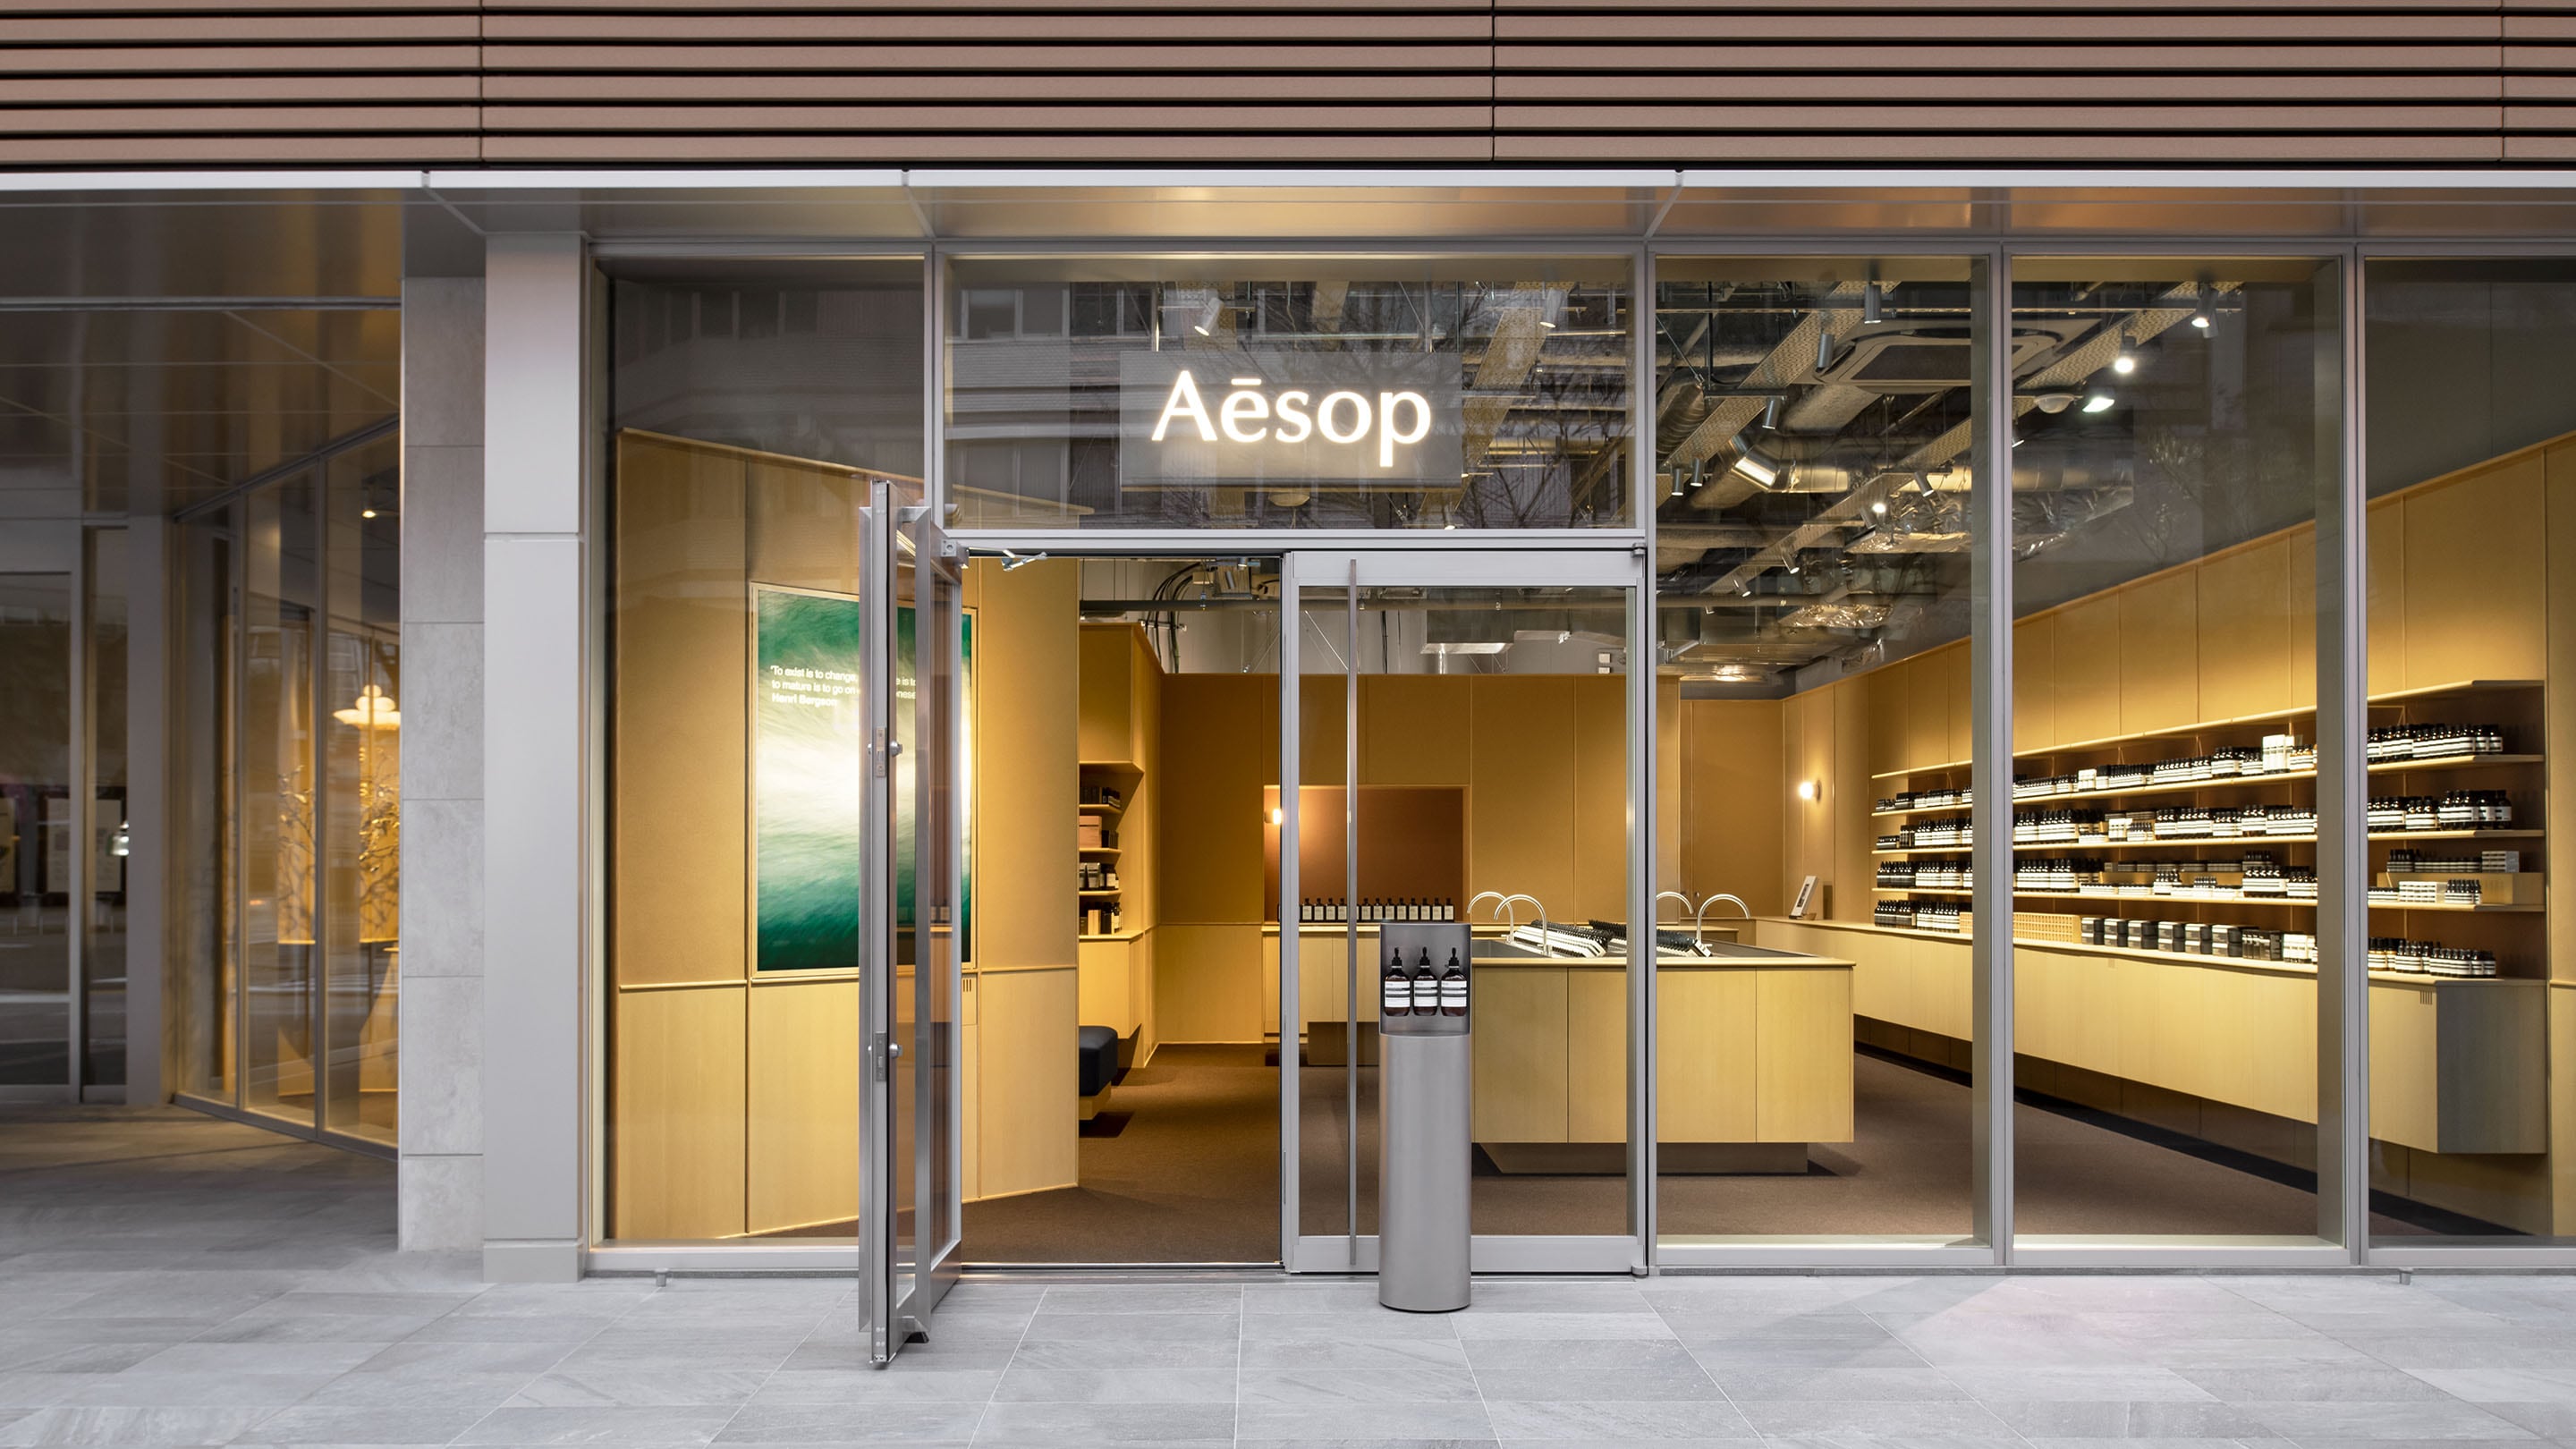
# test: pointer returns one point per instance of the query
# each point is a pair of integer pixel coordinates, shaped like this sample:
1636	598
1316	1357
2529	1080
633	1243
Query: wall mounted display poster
809	755
906	797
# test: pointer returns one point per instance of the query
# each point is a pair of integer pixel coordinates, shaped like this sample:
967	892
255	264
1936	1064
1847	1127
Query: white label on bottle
1398	1000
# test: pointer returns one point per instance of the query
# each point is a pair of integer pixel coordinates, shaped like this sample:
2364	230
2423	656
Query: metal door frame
1622	565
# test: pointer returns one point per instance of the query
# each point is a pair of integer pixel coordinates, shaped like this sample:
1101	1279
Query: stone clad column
441	698
535	685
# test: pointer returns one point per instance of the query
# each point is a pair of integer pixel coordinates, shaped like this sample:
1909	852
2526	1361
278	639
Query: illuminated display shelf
2191	900
2171	841
2239	722
2224	782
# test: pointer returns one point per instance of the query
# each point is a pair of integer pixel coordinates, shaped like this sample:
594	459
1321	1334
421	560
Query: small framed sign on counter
1806	893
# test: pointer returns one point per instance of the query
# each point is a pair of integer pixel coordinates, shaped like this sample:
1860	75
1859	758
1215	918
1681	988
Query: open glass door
1460	742
911	911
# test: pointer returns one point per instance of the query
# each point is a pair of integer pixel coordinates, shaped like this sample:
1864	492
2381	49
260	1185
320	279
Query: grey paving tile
662	1424
1378	1323
478	1392
1338	1387
2310	1383
2087	1442
1109	1354
1141	1298
254	1328
1363	1423
1725	1354
38	1390
878	1386
2554	1420
1595	1422
1548	1324
324	1424
2438	1418
621	1388
2556	1385
1808	1418
258	1358
894	1423
1302	1298
1885	1385
1509	1296
139	1428
1133	1383
1355	1353
1047	1325
419	1359
1598	1382
1573	1353
139	1388
60	1357
1053	1426
2118	1419
2077	1382
2006	1339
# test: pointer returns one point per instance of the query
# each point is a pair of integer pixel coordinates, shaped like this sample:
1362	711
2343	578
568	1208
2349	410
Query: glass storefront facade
286	909
1989	582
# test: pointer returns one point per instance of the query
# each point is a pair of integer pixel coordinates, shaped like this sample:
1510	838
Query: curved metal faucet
1546	945
1498	898
1699	919
1674	895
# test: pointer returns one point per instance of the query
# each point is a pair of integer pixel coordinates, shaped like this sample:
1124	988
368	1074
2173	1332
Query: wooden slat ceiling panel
1136	82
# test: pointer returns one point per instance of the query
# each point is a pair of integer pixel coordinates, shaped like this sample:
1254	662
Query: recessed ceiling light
366	513
2099	402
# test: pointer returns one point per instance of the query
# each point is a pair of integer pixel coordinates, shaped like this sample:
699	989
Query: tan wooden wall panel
1111	82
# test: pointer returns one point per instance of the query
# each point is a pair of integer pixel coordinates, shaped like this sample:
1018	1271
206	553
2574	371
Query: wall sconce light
1807	789
1276	815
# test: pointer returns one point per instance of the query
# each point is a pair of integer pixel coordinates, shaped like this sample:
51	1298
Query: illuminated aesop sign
1247	411
1197	418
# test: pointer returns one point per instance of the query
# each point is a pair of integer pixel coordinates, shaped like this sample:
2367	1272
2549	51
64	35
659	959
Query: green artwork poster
906	801
809	752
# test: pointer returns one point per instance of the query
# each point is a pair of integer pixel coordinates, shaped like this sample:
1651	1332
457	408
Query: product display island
1753	1060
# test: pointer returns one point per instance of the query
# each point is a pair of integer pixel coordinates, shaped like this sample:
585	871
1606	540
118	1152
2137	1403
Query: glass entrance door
909	913
1458	741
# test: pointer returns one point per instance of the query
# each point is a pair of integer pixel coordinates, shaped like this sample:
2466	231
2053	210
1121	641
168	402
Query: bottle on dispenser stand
1453	986
1395	988
1426	987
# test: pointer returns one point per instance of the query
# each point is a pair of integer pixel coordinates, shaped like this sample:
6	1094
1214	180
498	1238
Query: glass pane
2469	445
103	953
1492	728
36	910
362	749
1812	733
204	823
282	591
928	706
752	409
2177	427
1243	392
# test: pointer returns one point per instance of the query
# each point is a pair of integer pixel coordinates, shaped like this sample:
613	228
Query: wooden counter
1751	1052
2457	1065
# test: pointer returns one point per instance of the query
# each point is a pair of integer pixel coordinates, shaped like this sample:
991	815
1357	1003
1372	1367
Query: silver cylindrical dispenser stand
1425	1090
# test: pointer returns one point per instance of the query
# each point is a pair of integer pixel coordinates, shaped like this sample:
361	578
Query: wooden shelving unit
2512	931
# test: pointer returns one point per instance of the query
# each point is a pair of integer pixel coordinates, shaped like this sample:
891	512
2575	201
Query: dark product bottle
1426	987
1453	986
1395	988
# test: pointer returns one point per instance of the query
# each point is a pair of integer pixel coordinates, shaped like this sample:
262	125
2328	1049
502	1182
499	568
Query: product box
1087	834
2495	888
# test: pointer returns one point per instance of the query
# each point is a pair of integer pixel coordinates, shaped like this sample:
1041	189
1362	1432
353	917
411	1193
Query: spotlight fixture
1824	351
2124	364
1771	414
2099	402
1757	467
366	513
2202	317
1879	507
1870	315
2053	403
1807	789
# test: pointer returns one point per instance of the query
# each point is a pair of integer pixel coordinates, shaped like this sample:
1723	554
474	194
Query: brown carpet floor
1191	1176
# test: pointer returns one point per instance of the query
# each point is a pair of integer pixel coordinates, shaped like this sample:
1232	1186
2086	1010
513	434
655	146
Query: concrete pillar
441	698
535	431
